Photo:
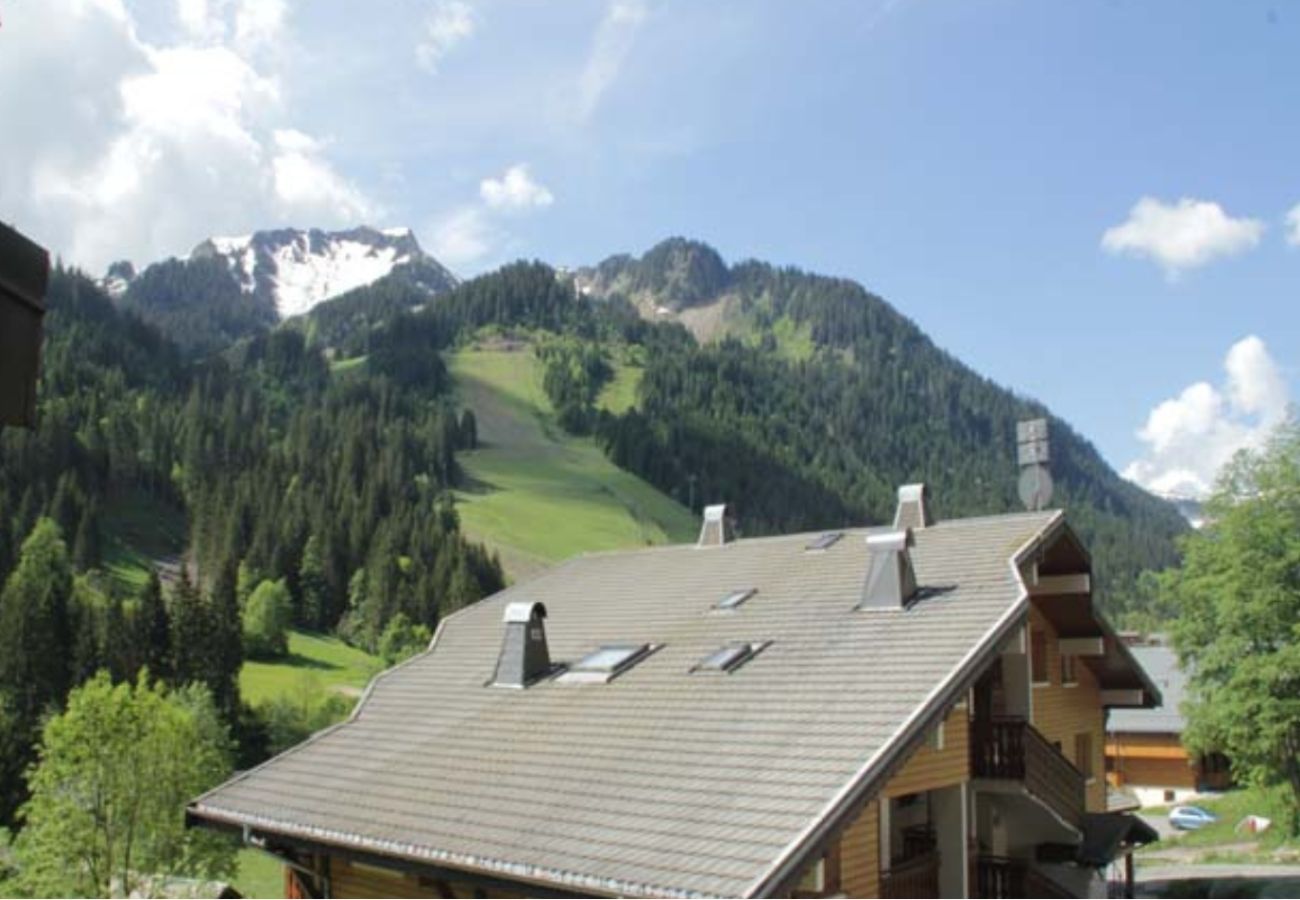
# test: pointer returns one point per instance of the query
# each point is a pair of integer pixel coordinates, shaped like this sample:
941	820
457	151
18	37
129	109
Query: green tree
266	620
153	629
36	623
107	807
1238	631
402	639
313	585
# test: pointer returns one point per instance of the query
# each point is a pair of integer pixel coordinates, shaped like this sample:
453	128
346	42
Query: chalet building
899	712
1145	756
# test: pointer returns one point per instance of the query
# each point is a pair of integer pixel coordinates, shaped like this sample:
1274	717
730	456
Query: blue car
1190	818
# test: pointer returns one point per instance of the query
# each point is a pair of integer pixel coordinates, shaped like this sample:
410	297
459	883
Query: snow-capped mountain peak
297	269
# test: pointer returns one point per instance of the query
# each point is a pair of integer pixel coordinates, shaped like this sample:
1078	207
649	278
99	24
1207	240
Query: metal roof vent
715	531
913	507
891	581
524	657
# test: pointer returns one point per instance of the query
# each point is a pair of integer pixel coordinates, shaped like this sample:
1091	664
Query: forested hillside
830	399
312	469
337	489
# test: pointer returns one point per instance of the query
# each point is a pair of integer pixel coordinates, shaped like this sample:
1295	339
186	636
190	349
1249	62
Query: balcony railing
997	877
916	877
1012	749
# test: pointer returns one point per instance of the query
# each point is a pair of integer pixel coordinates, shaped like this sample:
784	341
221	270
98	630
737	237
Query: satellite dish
1035	487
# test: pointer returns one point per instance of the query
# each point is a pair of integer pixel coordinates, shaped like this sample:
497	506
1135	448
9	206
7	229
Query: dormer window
606	663
735	598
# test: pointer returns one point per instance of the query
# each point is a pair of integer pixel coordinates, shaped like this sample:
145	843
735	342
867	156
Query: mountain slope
232	287
825	383
535	494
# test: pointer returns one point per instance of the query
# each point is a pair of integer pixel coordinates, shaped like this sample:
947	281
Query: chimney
913	507
891	581
715	531
524	657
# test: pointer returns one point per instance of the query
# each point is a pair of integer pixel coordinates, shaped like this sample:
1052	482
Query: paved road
1218	880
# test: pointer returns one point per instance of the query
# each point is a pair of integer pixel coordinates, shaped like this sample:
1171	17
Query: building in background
1145	756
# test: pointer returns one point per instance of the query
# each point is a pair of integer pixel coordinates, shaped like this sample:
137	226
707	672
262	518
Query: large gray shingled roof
660	782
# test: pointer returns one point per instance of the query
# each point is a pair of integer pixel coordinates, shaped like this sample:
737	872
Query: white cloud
462	238
305	182
1182	235
143	149
1293	226
515	190
449	23
613	41
1191	436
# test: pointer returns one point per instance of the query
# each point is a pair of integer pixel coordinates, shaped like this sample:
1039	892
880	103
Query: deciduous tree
1238	632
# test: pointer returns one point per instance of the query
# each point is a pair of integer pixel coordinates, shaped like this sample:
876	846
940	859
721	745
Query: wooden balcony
998	877
1013	750
915	877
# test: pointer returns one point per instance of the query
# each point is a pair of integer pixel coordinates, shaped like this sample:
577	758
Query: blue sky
965	160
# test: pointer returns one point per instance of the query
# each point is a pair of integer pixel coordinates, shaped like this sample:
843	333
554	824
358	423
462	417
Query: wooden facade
928	768
1063	712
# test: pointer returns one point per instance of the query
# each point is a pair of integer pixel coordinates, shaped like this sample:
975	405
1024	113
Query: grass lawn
138	531
619	394
538	495
1220	841
312	657
259	875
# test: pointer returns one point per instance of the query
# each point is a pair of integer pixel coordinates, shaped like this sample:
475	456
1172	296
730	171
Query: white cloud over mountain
1183	235
515	190
1191	436
144	147
610	46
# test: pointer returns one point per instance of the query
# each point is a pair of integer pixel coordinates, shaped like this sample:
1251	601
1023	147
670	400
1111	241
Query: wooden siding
927	768
860	854
364	881
1062	712
1171	773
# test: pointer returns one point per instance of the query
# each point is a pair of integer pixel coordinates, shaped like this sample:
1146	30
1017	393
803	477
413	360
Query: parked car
1190	818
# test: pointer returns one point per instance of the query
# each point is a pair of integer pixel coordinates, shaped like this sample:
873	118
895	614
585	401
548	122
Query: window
1038	657
606	663
735	598
825	541
728	657
1083	754
934	740
1068	674
1170	796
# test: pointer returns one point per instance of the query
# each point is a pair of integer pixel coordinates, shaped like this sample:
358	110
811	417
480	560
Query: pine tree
227	644
313	586
189	631
153	630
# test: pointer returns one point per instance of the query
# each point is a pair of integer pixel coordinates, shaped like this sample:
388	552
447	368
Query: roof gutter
878	768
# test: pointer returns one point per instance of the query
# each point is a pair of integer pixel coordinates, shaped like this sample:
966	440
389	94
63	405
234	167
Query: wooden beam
1128	697
1048	585
1083	646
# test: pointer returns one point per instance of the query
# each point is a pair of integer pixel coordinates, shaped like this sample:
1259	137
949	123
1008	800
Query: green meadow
537	495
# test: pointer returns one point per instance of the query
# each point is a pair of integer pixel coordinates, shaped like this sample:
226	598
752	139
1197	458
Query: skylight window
735	598
728	657
607	662
825	541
